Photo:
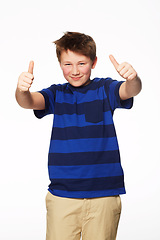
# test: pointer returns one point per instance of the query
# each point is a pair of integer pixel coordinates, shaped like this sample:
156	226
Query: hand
25	80
124	69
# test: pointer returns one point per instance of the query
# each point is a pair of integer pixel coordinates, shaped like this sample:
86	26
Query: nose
75	70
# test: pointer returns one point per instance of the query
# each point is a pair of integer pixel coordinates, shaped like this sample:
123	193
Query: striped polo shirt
84	158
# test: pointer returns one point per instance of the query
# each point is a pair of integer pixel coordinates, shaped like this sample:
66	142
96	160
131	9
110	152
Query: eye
81	63
67	64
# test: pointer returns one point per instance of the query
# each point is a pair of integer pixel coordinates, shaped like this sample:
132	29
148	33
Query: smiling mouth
76	78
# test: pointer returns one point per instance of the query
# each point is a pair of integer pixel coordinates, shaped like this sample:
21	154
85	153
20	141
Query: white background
130	30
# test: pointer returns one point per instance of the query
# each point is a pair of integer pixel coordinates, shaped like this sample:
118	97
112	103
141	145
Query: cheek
86	70
66	71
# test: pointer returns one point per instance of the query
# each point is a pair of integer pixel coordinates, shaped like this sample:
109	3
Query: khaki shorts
89	218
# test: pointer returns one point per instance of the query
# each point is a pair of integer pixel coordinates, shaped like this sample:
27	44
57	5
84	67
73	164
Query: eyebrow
67	61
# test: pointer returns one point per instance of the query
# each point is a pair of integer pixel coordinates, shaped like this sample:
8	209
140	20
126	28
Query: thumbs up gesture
124	69
25	80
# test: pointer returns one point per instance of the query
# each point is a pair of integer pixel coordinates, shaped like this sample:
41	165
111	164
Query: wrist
19	90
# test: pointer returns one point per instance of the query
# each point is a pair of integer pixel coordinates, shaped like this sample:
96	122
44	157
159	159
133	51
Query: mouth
76	78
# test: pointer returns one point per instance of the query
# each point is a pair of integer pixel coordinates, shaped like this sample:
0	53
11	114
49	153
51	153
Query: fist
125	70
25	80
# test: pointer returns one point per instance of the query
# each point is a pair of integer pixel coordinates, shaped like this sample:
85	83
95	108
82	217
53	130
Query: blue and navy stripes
84	159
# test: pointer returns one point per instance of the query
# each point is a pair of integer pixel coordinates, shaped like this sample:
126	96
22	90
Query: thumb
31	66
114	62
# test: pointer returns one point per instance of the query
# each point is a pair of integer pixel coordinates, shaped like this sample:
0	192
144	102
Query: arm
30	100
132	86
24	97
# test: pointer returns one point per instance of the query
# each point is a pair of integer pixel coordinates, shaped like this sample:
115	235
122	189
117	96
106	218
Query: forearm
133	87
24	99
130	88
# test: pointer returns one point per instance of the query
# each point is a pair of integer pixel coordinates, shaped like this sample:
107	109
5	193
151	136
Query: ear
94	63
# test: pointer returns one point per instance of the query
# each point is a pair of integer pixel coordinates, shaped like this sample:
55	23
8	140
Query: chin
77	84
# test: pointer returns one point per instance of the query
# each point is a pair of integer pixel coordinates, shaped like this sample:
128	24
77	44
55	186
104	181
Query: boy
84	161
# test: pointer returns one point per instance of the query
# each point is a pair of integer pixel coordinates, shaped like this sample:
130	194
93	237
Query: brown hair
76	42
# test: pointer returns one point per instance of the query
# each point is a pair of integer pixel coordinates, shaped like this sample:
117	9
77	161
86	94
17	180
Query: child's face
76	68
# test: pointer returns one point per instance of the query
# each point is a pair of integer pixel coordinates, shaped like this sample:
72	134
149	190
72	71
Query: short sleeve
112	91
49	96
